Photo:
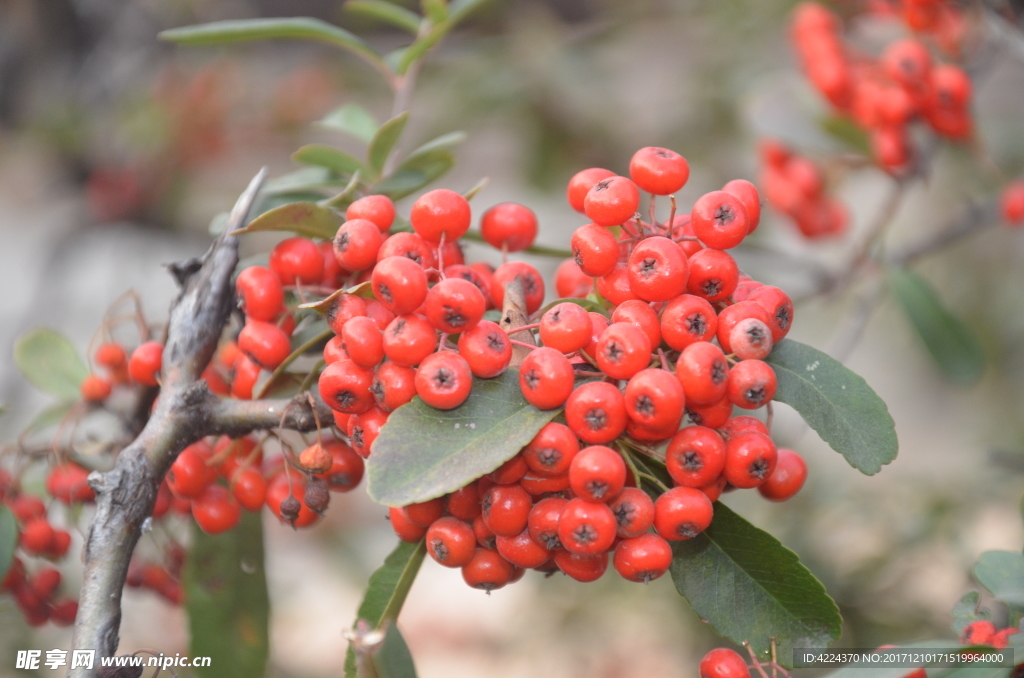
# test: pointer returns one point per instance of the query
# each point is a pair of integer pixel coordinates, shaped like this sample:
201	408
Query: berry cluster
795	185
36	593
883	95
985	633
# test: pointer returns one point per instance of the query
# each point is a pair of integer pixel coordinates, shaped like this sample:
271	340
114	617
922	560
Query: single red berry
346	468
45	583
565	327
409	339
393	386
623	350
363	342
714	415
659	170
261	293
654	398
582	568
485	538
509	226
596	412
723	662
95	389
634	512
522	551
249	488
410	246
586	527
779	307
713	275
246	374
266	344
657	269
597	473
375	208
1000	640
400	284
297	261
345	387
643	433
542	522
546	378
978	633
481	280
146	362
643	558
598	324
356	244
189	475
682	513
582	182
612	201
509	472
571	282
403	527
748	195
695	457
890	146
464	503
487	570
595	250
506	509
641	314
362	429
788	477
741	424
440	212
703	372
1013	203
538	485
688	319
112	356
68	483
907	61
36	536
486	348
424	513
444	380
615	286
533	284
343	308
720	220
551	451
749	459
451	542
454	305
215	510
751	339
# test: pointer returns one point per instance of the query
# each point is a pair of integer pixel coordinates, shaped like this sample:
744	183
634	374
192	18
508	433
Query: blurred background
116	151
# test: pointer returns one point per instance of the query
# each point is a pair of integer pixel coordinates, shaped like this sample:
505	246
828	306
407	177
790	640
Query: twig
513	317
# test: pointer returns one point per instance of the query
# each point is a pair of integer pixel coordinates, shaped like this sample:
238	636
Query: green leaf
8	539
1002	573
415	173
294	28
950	342
347	196
748	586
388	588
332	158
304	218
588	305
226	599
968	610
476	188
301	180
384	140
393	659
422	453
838	404
49	361
435	10
386	12
351	118
444	141
458	11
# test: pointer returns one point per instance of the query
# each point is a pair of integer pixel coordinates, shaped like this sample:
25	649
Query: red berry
538	485
464	503
596	412
509	226
751	384
94	389
597	473
713	275
688	319
246	374
424	513
249	488
342	309
112	356
297	261
410	246
907	61
747	193
440	212
732	315
486	348
522	551
362	429
654	398
409	339
261	293
565	327
346	468
551	451
375	208
510	472
571	282
659	170
779	307
594	250
485	538
741	424
641	314
657	269
586	528
533	284
403	527
506	509
615	286
189	475
69	483
713	416
363	342
682	513
356	244
751	339
703	372
598	324
393	386
444	380
582	182
695	456
788	477
345	387
546	378
720	220
145	363
978	633
1013	203
454	305
487	570
542	522
582	568
451	542
216	510
749	459
400	284
634	512
723	662
36	536
623	350
481	280
612	201
643	558
266	344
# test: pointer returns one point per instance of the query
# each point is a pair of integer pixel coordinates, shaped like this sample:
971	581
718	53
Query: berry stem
753	657
523	344
770	409
671	215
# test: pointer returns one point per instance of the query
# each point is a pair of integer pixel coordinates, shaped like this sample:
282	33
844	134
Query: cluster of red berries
795	185
883	95
36	593
943	21
985	633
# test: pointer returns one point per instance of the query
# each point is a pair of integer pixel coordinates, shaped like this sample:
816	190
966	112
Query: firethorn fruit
741	424
94	389
596	412
586	527
1013	203
546	378
654	398
623	350
485	538
730	316
611	201
506	509
266	344
345	387
714	415
260	292
451	542
362	429
249	488
509	472
703	372
403	527
69	483
363	342
509	226
641	314
695	456
343	308
315	459
542	522
215	510
615	286
487	570
634	512
751	339
565	327
438	213
375	208
145	363
346	467
571	282
425	513
36	536
551	451
482	282
393	386
682	513
657	269
464	503
713	275
582	182
595	250
454	305
720	220
356	244
400	284
688	319
582	568
112	356
297	261
658	170
751	384
189	475
748	195
444	380
643	558
410	246
533	284
522	551
723	662
597	473
788	477
749	459
486	348
779	307
408	339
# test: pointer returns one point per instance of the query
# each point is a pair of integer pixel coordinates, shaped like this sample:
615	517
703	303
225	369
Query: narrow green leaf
226	600
444	141
302	179
415	173
1002	573
393	659
332	158
384	141
388	588
950	342
435	10
748	586
422	453
50	363
347	196
294	28
352	119
835	402
386	12
476	188
271	201
458	11
8	539
304	218
968	610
